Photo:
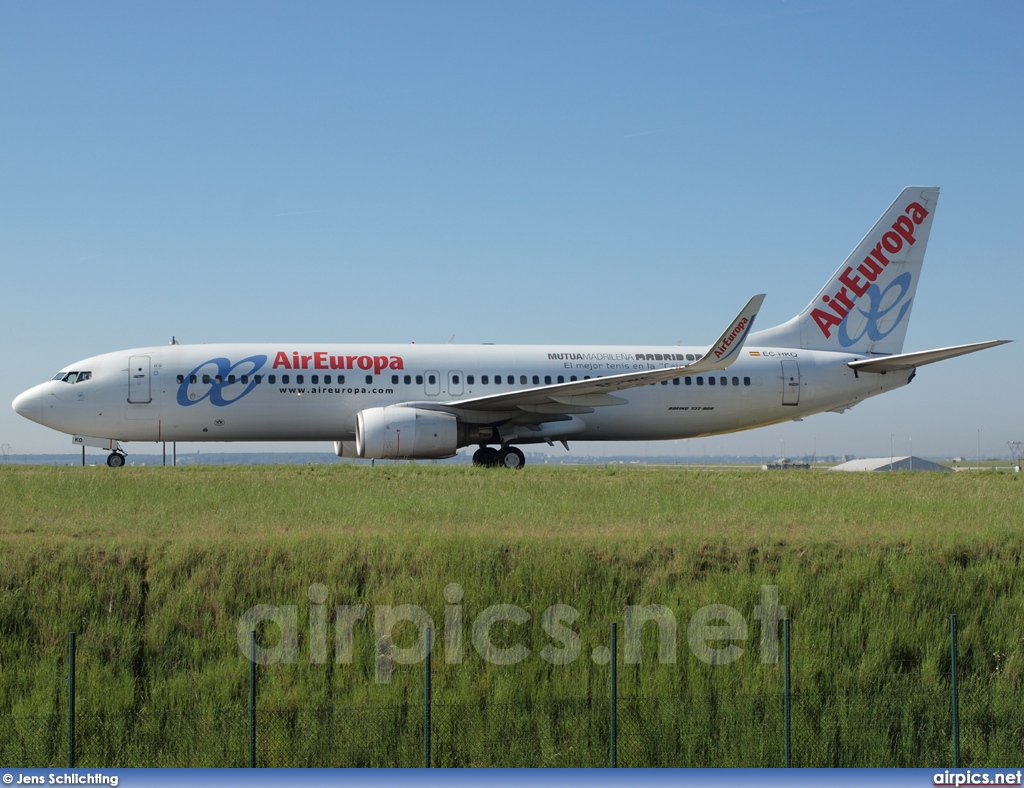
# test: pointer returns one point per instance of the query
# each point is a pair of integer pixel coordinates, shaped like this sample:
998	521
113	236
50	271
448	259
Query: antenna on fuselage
173	340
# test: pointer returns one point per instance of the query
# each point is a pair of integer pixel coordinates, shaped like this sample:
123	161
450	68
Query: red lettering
825	320
320	360
281	360
379	363
364	362
350	362
295	360
396	363
905	228
871	272
877	254
305	361
853	282
842	296
837	308
916	212
892	242
338	362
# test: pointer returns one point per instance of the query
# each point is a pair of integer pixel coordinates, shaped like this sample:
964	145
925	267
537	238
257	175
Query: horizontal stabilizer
912	360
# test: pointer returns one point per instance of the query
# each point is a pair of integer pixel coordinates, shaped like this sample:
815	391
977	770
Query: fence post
426	703
71	700
956	693
252	699
614	698
787	710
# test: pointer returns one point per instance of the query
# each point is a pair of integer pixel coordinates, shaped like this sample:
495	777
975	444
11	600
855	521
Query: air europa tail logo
324	360
860	282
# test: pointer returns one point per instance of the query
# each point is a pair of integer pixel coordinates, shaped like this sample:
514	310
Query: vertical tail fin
865	307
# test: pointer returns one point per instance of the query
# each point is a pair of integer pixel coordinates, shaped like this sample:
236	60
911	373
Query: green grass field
154	568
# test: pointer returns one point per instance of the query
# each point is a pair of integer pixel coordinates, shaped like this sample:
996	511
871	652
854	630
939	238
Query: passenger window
586	377
700	381
483	380
664	383
300	379
284	379
206	378
536	379
314	379
258	379
419	380
369	379
341	379
327	380
245	379
547	380
497	380
431	379
394	379
561	378
675	381
723	380
219	378
746	381
455	380
470	380
271	378
735	381
181	378
231	379
522	379
689	381
407	379
572	378
711	380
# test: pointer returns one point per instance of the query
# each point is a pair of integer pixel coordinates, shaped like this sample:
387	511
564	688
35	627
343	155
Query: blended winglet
726	348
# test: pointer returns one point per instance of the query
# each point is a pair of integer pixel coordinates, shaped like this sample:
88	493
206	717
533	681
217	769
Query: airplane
412	401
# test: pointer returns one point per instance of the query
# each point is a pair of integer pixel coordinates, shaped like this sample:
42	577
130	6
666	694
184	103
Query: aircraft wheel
511	457
485	457
115	460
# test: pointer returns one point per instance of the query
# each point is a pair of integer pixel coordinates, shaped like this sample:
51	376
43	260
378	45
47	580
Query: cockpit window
72	377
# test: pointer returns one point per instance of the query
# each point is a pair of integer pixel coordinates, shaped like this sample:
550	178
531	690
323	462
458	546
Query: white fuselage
312	392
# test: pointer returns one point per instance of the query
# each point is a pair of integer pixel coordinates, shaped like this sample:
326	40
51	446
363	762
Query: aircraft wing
912	360
583	395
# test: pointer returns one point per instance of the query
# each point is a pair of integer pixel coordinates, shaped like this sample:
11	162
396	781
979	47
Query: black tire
115	460
511	457
485	457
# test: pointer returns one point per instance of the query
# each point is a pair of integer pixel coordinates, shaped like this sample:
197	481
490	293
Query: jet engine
399	433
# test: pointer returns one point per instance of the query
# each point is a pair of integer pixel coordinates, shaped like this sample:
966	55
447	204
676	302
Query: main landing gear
115	459
505	457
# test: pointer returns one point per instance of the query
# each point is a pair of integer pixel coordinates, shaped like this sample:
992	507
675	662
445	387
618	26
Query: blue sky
601	173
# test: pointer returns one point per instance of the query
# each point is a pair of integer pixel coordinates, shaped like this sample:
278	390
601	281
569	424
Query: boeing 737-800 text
427	401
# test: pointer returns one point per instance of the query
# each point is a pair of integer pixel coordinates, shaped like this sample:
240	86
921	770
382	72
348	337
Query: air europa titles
324	360
842	302
737	331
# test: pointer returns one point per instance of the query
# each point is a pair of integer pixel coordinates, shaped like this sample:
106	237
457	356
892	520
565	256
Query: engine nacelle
399	433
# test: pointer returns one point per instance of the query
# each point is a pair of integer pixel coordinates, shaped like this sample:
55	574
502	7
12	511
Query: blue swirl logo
875	311
216	381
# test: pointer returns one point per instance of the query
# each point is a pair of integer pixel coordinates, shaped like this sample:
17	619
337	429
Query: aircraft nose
30	405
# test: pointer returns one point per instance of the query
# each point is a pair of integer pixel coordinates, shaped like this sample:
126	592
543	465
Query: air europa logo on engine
324	360
857	283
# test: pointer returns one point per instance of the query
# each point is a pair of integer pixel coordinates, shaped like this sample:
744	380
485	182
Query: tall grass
155	568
